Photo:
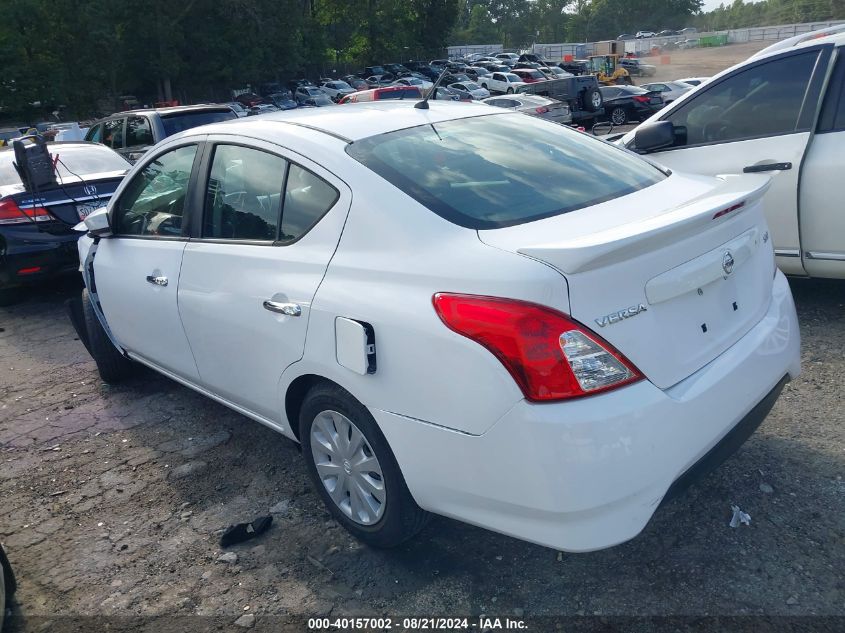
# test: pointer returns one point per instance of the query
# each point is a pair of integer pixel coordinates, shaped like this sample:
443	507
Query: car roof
170	110
352	121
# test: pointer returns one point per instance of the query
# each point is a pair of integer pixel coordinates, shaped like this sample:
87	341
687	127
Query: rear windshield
73	161
406	93
467	171
182	121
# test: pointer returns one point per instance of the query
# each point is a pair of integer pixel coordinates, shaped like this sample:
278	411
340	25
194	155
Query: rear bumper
589	474
30	255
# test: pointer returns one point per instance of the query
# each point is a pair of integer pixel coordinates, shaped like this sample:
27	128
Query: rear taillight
541	110
640	98
549	355
11	213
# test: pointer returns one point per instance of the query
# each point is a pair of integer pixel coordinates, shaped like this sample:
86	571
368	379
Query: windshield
181	121
512	77
469	85
75	160
466	171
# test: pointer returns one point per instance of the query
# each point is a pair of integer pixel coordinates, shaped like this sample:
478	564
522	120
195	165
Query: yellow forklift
608	71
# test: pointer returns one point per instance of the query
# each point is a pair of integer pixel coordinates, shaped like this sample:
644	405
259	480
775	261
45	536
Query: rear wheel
510	91
618	116
354	470
112	365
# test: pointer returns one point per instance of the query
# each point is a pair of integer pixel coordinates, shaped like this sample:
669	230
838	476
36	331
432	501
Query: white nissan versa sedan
459	310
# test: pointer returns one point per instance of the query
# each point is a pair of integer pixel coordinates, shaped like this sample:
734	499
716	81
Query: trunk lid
671	275
74	200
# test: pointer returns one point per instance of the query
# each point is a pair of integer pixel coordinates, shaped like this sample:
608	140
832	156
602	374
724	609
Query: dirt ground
699	62
114	497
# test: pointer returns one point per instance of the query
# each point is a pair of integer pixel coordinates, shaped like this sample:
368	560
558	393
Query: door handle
289	309
157	280
753	169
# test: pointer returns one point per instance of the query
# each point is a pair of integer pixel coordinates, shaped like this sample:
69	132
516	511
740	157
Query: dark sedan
37	239
629	103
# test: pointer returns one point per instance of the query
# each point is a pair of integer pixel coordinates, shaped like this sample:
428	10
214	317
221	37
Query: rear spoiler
624	241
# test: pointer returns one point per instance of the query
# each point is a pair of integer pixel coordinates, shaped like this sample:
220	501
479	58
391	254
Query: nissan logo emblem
728	262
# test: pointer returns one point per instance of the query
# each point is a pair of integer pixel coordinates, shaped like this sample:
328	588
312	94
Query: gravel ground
113	499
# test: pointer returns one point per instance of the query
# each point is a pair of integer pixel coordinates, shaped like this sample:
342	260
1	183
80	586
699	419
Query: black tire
510	91
618	116
402	518
112	365
9	296
7	577
593	100
484	86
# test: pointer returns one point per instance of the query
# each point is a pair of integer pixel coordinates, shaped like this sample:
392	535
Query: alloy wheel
618	116
347	467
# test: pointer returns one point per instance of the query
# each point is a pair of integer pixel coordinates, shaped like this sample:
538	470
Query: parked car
8	134
283	100
311	96
396	69
370	71
576	67
444	93
477	73
336	89
249	99
37	240
625	36
636	68
469	90
262	108
693	81
502	82
645	34
423	312
629	103
422	68
237	108
669	90
558	73
383	94
132	133
580	93
533	58
529	75
542	107
293	84
422	84
8	584
762	116
509	59
270	88
667	33
356	82
376	81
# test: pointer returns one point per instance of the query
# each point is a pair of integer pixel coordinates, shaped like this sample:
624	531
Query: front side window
763	100
152	204
466	171
113	133
95	134
138	132
244	194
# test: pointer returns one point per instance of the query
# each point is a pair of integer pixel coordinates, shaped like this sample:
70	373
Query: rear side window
405	93
466	171
95	134
763	100
307	199
244	195
181	121
138	131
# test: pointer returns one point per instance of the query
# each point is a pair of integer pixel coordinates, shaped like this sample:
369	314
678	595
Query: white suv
782	113
502	82
544	342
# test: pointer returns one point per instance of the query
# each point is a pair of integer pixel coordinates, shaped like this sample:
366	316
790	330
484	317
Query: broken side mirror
97	223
